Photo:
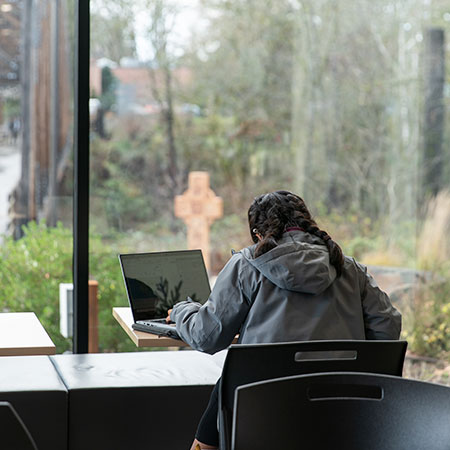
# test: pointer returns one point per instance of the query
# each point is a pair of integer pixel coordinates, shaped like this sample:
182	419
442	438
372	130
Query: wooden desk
21	333
140	338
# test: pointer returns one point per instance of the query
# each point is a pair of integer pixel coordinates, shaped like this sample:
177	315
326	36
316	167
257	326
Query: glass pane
340	102
36	142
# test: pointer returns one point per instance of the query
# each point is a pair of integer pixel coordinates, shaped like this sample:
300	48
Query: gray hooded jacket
290	293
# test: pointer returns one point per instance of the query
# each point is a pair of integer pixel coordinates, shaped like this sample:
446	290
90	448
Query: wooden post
199	207
93	317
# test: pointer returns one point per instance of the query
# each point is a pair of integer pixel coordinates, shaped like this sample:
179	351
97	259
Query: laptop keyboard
147	322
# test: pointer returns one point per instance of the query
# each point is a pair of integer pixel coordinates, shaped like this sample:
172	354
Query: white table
21	333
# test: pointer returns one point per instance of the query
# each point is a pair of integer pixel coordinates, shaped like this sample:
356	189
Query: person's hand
168	319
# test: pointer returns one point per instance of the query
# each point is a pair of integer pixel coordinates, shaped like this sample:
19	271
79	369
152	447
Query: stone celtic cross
199	207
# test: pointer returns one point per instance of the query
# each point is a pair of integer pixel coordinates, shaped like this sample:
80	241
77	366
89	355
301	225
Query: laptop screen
156	281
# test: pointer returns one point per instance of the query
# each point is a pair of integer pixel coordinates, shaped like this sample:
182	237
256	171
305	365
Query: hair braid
335	252
270	214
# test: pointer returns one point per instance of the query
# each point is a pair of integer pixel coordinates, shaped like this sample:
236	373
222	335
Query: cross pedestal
199	207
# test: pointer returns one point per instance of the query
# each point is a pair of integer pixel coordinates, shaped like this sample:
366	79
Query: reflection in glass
36	112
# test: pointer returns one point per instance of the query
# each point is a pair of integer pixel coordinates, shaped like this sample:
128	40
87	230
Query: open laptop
156	281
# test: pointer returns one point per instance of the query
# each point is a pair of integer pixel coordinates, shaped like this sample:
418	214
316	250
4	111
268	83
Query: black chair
250	363
14	435
350	411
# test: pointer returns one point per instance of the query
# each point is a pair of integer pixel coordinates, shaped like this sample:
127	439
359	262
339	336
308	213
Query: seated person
293	284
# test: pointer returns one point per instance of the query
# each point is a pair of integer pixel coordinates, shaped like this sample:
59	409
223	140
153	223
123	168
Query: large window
342	102
36	143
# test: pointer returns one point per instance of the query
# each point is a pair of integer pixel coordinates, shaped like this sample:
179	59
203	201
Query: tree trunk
434	75
173	167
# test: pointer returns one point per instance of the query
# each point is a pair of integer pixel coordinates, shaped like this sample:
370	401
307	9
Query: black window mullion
81	181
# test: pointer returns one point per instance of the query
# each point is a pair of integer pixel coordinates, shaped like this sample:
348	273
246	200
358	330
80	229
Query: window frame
81	180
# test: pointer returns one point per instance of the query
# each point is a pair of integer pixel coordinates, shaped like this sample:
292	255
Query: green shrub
104	267
32	269
428	333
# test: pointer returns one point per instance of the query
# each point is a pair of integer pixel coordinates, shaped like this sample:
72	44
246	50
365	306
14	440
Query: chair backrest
14	434
250	363
352	411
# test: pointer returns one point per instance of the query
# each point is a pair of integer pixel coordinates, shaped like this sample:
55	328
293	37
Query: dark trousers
207	431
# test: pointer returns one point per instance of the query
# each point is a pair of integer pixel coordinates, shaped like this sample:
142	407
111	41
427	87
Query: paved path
10	167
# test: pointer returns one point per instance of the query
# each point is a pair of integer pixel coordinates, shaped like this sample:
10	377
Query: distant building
139	86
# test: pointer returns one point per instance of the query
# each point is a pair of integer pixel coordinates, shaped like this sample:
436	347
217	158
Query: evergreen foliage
33	267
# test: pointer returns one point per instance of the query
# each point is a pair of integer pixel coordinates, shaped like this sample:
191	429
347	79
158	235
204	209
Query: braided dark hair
271	214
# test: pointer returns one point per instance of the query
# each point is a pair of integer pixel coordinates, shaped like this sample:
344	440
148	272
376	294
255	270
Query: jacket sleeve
381	318
212	327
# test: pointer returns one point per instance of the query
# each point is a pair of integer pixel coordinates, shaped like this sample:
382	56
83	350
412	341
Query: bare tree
112	29
162	19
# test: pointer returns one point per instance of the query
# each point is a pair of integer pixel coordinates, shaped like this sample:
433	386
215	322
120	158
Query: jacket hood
300	262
